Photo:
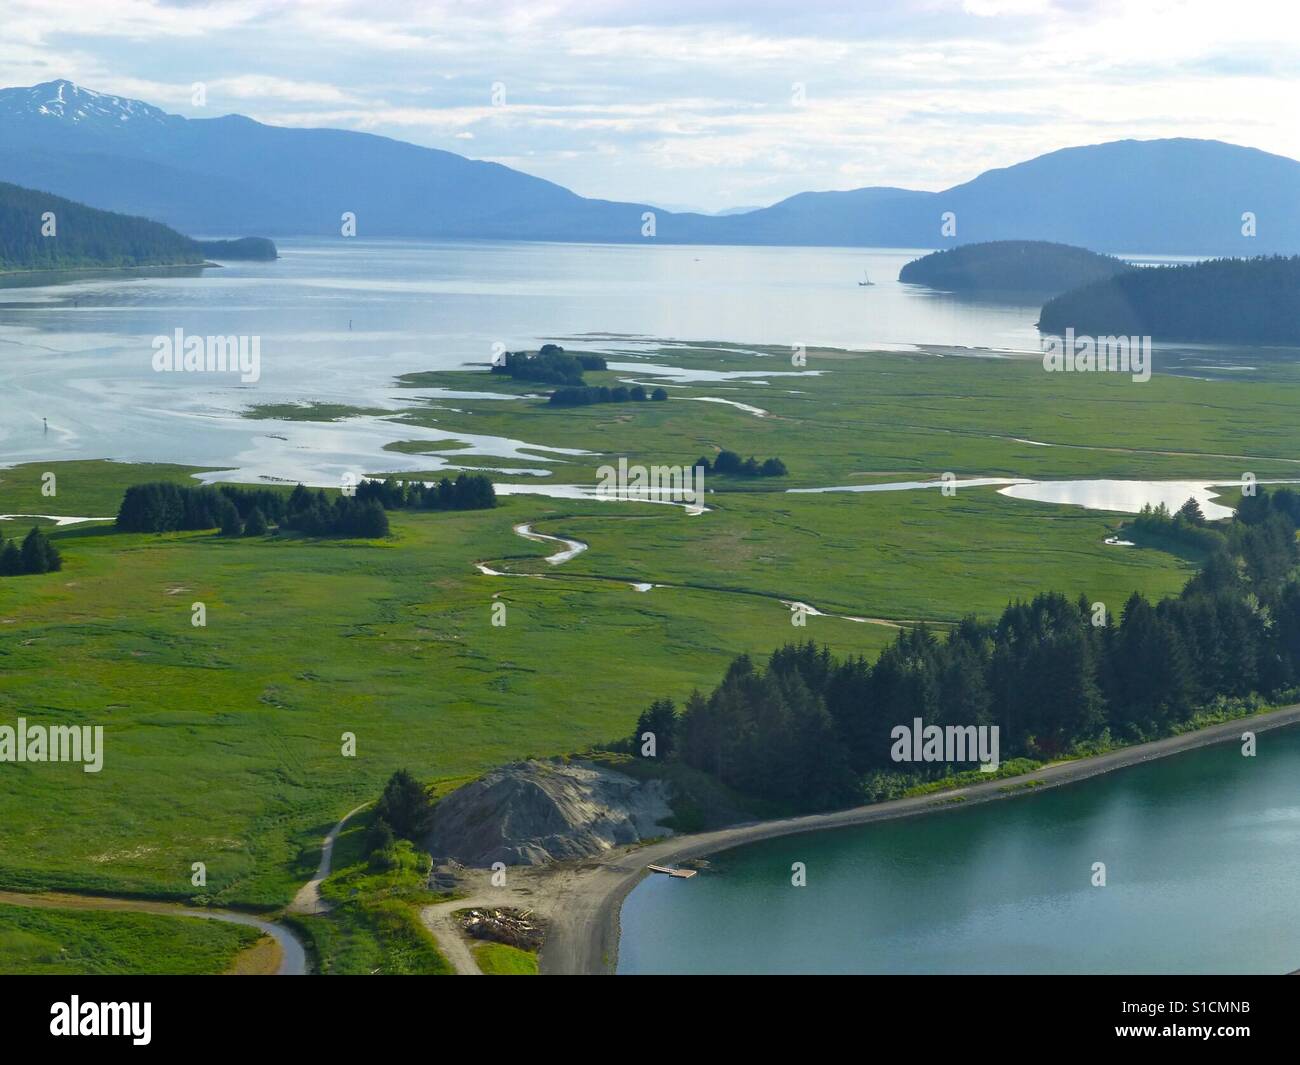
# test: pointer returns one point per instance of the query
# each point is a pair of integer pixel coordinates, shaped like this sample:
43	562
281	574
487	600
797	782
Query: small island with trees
550	365
1011	266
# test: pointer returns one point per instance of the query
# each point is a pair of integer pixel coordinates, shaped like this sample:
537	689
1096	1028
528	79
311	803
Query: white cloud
690	100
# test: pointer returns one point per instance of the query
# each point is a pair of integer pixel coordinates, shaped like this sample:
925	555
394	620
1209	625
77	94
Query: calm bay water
339	319
1202	854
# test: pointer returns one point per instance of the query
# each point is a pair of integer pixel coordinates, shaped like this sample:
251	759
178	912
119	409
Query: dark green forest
1240	300
86	237
810	731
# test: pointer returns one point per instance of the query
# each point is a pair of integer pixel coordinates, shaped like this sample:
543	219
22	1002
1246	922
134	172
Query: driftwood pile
515	928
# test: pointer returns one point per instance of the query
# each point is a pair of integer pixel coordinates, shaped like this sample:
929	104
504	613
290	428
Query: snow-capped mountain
66	101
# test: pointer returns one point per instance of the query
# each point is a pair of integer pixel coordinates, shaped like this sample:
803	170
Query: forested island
39	231
809	731
550	364
254	249
1237	300
1011	266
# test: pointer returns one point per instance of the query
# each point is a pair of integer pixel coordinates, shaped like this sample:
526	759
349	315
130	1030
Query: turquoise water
1202	856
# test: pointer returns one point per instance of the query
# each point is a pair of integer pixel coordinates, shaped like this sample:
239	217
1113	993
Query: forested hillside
40	231
1239	300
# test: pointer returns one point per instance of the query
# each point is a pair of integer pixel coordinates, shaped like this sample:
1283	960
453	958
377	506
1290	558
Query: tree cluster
550	364
35	555
469	491
729	464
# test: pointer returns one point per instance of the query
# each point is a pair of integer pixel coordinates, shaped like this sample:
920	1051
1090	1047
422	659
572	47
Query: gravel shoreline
581	901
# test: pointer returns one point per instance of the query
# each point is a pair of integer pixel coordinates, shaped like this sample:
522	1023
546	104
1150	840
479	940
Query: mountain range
233	175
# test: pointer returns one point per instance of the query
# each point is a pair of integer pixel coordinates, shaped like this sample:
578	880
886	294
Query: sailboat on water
865	280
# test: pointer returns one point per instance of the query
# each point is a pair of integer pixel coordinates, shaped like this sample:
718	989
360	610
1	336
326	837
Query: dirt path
438	919
581	902
285	955
308	899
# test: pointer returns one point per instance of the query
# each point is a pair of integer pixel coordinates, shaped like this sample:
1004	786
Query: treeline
812	731
1248	300
161	506
551	365
166	507
728	463
1011	265
35	555
469	491
585	396
312	514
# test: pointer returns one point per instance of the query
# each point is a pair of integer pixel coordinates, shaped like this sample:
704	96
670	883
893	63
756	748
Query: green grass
498	959
37	941
83	488
863	417
374	926
222	744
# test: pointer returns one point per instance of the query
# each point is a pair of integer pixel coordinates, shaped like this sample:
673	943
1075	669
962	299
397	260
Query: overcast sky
707	103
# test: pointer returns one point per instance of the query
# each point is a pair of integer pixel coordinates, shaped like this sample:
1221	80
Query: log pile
515	928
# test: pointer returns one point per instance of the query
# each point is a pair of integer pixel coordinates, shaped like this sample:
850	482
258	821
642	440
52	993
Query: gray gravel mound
533	812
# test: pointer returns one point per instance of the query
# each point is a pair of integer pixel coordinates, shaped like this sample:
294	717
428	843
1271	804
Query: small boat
865	280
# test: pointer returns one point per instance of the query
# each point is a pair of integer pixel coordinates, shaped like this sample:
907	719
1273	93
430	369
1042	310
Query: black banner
152	1014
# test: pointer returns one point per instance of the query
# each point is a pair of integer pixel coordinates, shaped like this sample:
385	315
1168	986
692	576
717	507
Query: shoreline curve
584	917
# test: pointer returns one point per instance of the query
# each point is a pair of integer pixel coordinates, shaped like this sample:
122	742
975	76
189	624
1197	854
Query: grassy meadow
56	942
223	743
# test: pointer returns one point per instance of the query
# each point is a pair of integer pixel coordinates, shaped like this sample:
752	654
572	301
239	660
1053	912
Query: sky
705	104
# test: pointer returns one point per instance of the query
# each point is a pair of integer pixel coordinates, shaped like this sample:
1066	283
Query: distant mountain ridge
232	175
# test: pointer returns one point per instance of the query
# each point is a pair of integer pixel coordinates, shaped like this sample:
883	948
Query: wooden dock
681	874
